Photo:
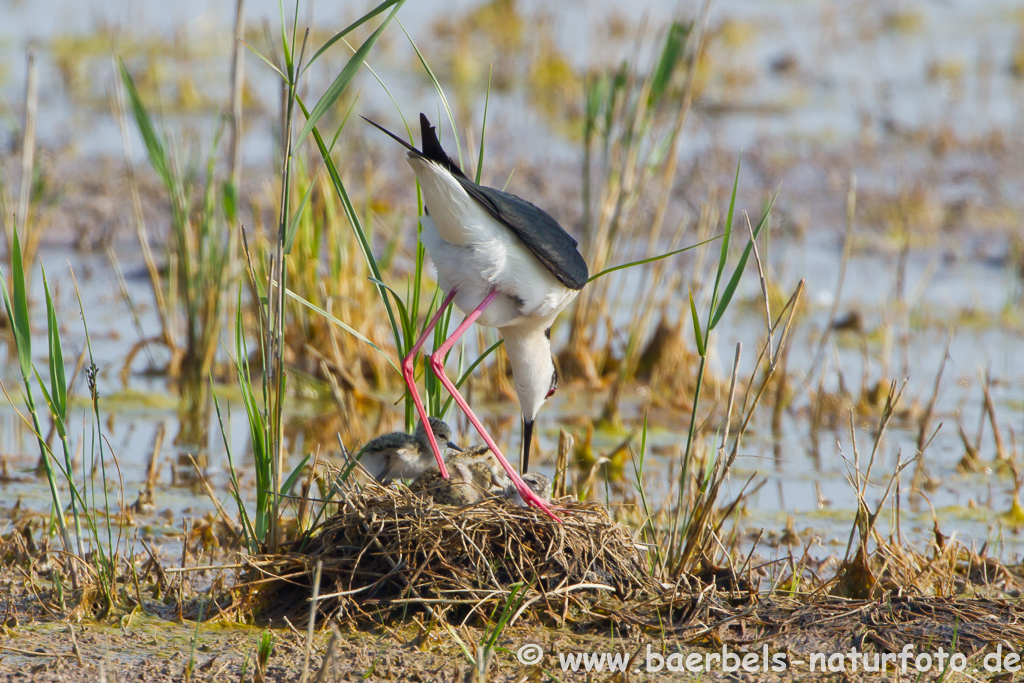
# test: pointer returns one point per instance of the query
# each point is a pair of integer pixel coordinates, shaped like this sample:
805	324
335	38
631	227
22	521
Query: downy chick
399	455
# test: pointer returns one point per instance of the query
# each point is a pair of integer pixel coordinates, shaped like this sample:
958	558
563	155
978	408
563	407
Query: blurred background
892	132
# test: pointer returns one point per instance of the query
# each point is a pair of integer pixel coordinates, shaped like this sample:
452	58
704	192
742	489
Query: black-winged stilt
505	263
398	455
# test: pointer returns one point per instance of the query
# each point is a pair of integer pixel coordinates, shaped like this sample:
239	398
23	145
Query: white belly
474	253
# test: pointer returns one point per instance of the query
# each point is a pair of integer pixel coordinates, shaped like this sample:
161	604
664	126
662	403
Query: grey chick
537	482
473	475
405	456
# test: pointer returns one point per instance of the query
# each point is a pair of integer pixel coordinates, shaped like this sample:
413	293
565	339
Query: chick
473	475
537	482
405	456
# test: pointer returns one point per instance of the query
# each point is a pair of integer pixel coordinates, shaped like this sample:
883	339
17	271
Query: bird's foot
533	499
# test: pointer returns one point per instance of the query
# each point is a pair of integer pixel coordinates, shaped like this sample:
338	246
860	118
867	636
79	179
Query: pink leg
437	363
408	372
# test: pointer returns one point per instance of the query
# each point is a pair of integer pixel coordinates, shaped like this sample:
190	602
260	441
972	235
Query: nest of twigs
387	549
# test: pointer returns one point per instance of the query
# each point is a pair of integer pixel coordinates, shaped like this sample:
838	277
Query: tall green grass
721	296
265	409
91	520
16	306
404	315
633	121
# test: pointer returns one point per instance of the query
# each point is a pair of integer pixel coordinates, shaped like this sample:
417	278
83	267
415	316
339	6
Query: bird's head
535	377
442	433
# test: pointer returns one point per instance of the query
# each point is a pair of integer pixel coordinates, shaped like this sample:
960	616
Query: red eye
554	385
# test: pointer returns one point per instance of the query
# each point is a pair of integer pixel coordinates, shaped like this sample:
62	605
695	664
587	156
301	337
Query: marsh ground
918	103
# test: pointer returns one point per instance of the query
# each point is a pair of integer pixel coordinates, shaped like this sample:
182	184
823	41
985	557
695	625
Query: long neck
529	353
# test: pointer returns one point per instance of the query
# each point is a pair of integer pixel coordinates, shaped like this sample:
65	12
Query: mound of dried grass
387	548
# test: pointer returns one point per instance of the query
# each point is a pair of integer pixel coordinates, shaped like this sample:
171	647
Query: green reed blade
730	288
345	31
335	90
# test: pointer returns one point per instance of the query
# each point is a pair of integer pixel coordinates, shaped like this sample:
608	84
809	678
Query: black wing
541	233
534	227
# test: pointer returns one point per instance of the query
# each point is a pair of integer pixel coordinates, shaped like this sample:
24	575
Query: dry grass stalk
23	222
922	435
990	410
851	210
631	127
566	444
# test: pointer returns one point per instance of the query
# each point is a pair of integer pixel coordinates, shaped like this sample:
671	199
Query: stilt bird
505	263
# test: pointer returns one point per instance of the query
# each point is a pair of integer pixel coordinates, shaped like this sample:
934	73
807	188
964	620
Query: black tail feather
432	148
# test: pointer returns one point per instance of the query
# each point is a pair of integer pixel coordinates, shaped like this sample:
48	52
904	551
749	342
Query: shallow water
857	74
810	70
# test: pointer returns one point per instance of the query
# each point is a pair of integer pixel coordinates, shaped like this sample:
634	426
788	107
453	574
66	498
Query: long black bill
524	463
451	445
